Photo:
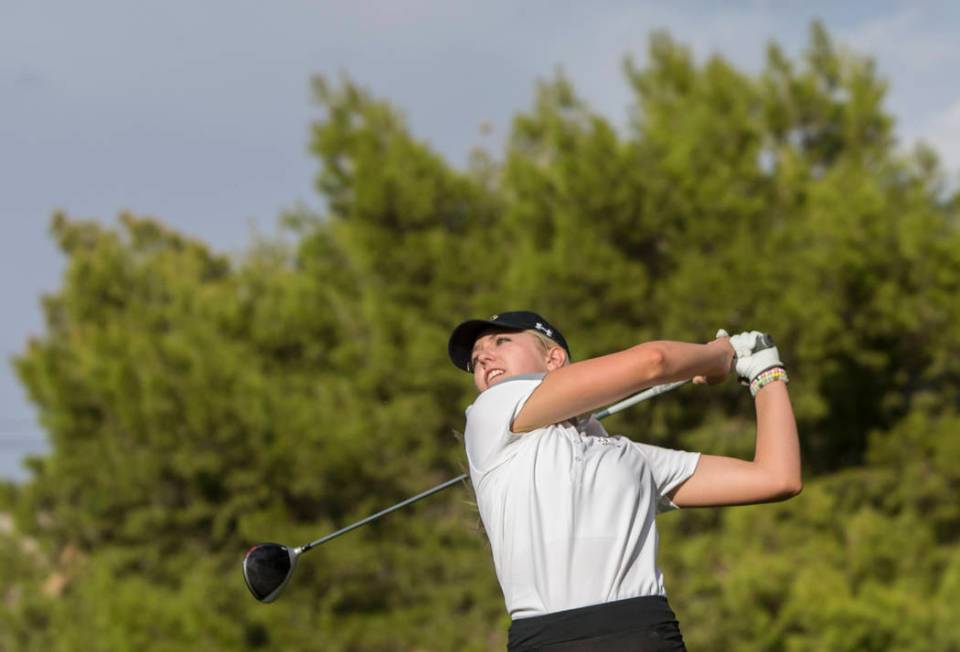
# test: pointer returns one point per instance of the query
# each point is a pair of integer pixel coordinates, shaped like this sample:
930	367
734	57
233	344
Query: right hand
723	341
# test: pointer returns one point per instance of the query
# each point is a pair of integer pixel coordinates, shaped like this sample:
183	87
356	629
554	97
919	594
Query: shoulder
489	420
505	394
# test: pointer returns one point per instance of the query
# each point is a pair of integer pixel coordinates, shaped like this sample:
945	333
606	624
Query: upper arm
719	481
588	385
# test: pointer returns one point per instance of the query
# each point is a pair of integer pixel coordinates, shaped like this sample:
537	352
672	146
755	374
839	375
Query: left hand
756	353
722	340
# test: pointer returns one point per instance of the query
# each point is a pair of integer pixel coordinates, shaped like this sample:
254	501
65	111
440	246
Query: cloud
920	38
26	80
942	131
915	46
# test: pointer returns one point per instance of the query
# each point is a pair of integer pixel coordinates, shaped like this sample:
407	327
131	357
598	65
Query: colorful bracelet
764	378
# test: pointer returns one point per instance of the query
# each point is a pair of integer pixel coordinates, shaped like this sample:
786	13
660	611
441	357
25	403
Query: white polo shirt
569	510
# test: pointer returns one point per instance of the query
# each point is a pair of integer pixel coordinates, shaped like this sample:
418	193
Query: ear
556	358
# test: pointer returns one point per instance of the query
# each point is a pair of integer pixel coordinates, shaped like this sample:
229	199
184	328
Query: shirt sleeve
670	469
488	436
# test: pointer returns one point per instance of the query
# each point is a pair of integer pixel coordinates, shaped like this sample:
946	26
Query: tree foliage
196	404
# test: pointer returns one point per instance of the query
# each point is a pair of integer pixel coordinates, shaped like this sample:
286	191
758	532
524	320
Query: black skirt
644	624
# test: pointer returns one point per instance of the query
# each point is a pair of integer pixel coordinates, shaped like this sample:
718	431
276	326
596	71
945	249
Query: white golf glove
754	354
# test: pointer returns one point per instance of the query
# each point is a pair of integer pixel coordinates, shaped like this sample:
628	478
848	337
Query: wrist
722	358
766	377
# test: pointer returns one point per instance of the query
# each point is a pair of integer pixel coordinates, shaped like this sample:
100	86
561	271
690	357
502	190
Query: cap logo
547	331
494	317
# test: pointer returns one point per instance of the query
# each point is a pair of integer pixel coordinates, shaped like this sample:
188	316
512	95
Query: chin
498	380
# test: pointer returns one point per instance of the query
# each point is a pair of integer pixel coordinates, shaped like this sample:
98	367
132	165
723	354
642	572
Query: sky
198	113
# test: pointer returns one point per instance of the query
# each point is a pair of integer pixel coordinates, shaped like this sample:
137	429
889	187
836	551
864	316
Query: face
499	354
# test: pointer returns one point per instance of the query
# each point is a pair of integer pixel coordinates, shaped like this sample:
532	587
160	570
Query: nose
483	357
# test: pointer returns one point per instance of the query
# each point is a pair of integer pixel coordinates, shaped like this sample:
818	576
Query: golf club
267	567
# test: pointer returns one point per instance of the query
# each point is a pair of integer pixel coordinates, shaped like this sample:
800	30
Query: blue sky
197	112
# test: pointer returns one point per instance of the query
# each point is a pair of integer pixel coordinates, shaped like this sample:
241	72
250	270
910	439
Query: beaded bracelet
764	378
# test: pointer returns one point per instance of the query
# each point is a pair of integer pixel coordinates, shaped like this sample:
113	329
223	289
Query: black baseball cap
465	335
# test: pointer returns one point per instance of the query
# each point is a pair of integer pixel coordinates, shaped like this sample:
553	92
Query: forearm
774	473
674	361
778	445
585	386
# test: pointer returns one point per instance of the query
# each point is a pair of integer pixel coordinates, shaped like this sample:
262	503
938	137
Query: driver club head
267	568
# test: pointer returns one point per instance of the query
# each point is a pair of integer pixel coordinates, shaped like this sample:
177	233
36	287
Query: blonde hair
546	343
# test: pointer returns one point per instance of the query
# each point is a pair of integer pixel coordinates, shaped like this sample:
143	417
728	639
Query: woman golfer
569	510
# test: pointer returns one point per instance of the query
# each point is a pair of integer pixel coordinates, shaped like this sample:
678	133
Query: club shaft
613	409
637	398
373	517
